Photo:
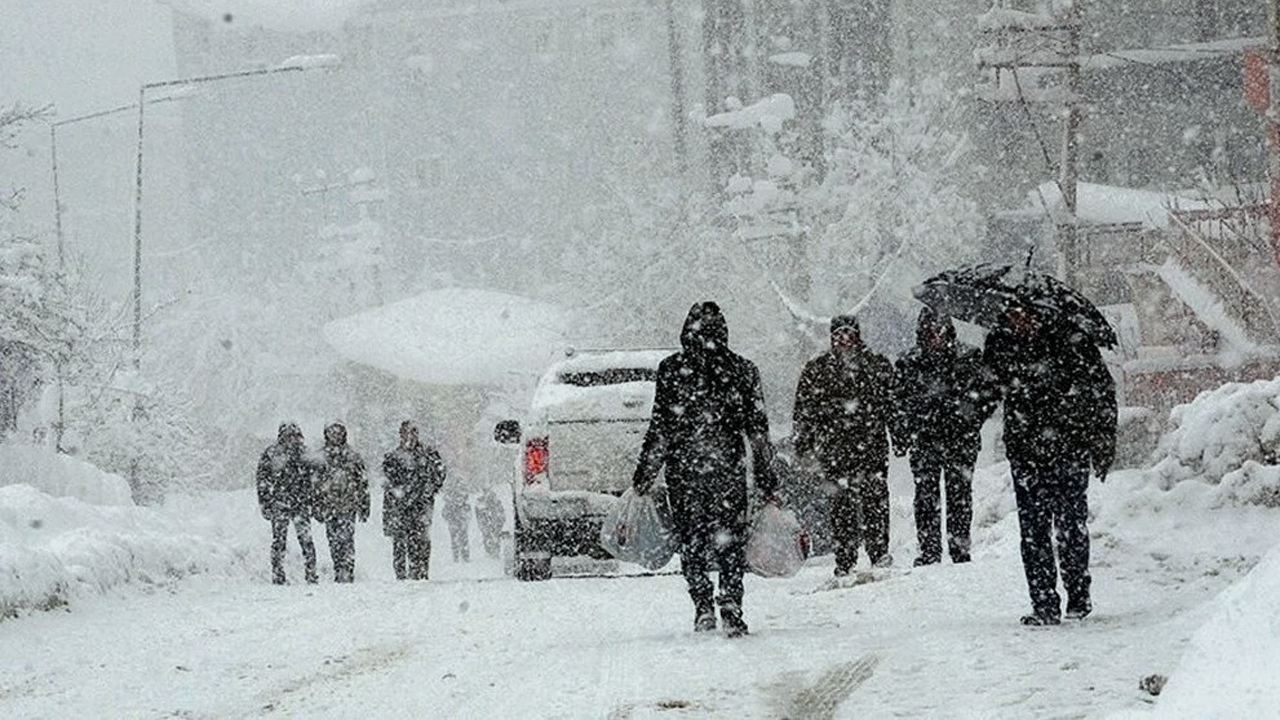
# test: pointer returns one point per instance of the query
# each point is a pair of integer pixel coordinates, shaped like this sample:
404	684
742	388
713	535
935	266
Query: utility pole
1070	176
676	60
1272	115
1041	43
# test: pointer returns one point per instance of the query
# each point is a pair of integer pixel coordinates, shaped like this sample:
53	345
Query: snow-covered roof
455	336
998	18
769	113
291	16
1112	205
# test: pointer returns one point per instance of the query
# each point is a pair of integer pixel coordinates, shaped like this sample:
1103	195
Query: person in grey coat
414	473
341	497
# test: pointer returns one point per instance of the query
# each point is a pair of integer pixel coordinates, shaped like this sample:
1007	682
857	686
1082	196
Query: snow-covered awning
455	336
1112	205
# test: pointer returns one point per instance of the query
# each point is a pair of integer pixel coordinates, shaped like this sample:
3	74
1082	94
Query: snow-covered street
942	641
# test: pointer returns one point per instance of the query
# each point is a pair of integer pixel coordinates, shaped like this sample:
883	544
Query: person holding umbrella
1060	419
1060	414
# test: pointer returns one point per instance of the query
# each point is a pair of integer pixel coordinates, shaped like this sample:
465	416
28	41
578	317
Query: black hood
335	434
931	322
705	329
289	433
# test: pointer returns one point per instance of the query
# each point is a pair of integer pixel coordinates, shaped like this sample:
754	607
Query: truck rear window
610	376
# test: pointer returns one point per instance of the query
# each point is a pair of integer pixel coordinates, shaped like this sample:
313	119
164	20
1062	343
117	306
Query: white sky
82	56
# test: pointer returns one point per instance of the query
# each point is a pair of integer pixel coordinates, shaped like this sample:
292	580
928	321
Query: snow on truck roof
600	360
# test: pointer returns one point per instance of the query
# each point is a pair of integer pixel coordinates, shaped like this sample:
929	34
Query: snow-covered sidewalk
936	642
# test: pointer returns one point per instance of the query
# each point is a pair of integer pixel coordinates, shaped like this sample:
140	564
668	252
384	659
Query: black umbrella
981	294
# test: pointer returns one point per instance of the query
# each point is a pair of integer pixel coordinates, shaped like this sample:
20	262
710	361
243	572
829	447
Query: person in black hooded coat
284	497
843	407
944	395
1059	423
708	400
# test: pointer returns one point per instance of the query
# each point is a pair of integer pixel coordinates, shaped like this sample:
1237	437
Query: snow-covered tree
889	211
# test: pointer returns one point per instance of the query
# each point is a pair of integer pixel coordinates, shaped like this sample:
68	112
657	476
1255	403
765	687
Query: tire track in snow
362	661
820	700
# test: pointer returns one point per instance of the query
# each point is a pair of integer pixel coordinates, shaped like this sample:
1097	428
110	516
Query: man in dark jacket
342	496
844	403
284	497
944	395
1059	422
414	472
708	399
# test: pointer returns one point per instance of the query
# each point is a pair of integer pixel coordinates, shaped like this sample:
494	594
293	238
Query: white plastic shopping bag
777	544
639	530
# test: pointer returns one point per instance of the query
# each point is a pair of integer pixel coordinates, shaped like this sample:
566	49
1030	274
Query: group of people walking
332	487
853	405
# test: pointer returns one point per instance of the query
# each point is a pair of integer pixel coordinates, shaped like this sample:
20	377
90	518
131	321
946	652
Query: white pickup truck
579	445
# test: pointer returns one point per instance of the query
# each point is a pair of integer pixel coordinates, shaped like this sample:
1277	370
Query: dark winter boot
926	560
1041	619
734	625
704	619
1078	610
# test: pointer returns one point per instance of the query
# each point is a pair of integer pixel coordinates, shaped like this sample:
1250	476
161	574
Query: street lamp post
53	156
294	64
57	224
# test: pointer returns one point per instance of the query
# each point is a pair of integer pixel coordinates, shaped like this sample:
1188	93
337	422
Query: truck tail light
535	461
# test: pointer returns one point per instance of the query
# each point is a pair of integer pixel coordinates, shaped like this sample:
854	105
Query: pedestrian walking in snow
284	498
943	396
708	401
414	473
457	515
341	498
1059	423
490	517
844	403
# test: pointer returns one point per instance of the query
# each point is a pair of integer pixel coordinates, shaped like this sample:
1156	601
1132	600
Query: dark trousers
933	471
459	540
411	550
341	532
1053	503
279	539
859	515
726	541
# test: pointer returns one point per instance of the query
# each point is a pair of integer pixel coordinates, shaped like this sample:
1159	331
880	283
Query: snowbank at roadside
1229	671
61	475
68	528
1228	437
